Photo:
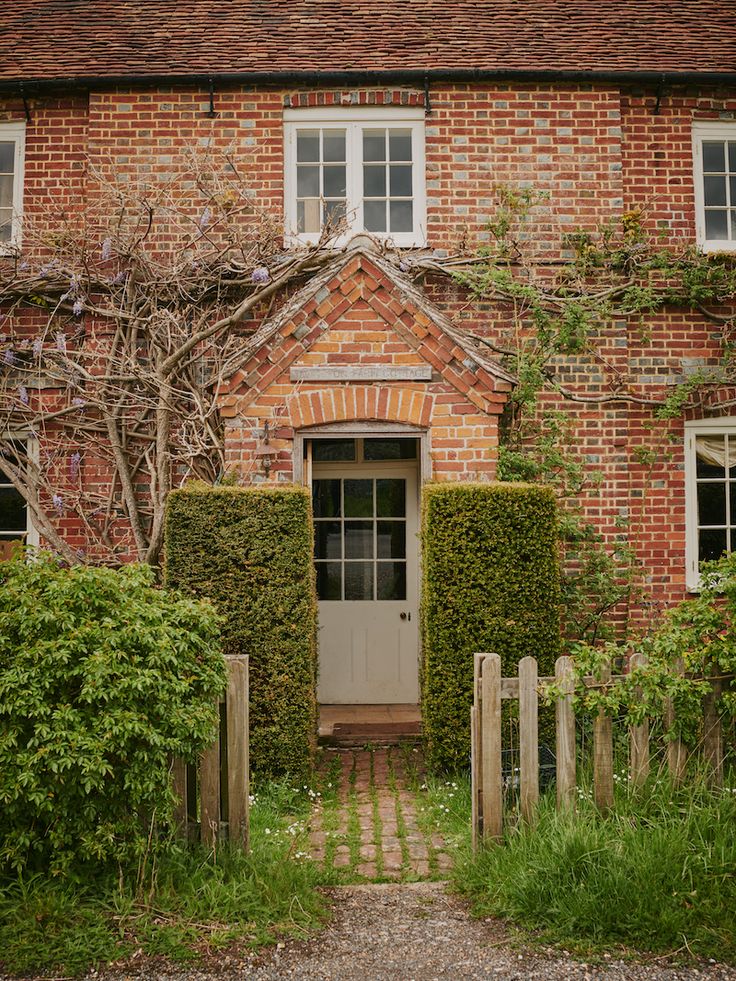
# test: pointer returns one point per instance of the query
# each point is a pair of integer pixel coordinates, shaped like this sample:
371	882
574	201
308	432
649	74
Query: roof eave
361	77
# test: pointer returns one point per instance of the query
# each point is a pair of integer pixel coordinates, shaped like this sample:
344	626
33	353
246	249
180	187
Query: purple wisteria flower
74	460
404	266
24	266
78	308
23	395
260	276
106	249
205	218
9	357
58	501
61	342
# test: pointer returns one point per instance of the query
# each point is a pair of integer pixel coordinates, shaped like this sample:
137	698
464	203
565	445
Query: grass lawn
197	904
658	874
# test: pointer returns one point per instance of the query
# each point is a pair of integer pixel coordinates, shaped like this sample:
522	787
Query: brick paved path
367	822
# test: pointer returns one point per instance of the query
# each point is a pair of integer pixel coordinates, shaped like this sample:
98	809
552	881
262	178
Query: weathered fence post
476	801
565	734
639	738
179	786
491	777
603	754
676	752
528	738
713	734
238	778
209	794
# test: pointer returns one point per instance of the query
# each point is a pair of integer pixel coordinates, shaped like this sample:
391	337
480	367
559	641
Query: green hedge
249	550
490	582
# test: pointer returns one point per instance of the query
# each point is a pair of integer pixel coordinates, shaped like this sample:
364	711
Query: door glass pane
329	580
391	580
732	158
359	580
712	545
391	498
12	510
327	540
391	540
714	157
328	450
358	498
359	540
390	449
712	504
326	498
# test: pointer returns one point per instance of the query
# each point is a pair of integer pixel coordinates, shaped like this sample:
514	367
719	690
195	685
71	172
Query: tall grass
657	874
196	902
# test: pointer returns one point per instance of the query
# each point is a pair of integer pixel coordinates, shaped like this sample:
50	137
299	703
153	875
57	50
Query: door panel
366	557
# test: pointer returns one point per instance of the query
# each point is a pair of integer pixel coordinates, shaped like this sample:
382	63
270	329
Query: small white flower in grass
267	831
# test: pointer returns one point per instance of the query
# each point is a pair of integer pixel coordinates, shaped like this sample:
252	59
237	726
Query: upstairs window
710	493
12	137
364	167
714	149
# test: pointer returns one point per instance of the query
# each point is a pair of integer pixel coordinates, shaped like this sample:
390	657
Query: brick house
366	381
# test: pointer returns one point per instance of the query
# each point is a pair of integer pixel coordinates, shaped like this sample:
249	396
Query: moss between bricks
490	582
249	550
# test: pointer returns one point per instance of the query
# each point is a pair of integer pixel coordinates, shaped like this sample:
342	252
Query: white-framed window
15	517
714	154
12	146
363	165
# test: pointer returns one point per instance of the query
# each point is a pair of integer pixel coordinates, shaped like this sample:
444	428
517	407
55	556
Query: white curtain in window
712	450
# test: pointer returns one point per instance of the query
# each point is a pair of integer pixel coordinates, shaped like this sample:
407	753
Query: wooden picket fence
489	689
214	796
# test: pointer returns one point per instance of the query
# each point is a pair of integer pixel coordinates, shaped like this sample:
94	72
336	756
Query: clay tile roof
53	39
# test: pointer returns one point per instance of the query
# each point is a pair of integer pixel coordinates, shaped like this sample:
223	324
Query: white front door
366	559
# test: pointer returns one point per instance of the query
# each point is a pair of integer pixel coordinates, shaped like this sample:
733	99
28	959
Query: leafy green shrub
491	582
250	551
102	679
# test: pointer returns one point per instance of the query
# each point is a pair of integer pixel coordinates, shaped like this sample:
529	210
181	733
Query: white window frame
706	131
725	426
32	449
354	121
15	132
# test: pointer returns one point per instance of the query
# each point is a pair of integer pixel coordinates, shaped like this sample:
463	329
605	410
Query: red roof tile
46	39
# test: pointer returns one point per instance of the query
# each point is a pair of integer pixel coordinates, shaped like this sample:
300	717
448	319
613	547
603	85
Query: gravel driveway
413	932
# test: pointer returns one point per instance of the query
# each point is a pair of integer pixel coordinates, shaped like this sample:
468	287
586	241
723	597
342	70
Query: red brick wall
598	151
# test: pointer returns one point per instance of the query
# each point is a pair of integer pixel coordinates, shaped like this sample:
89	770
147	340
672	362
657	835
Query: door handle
405	616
